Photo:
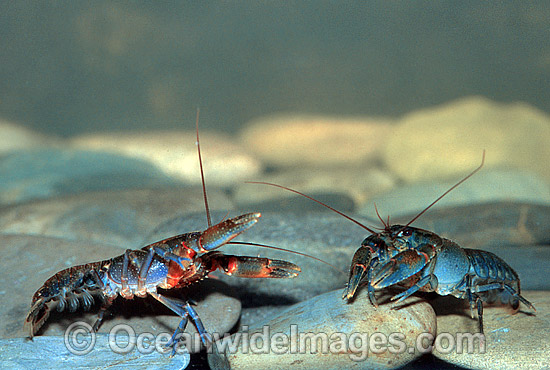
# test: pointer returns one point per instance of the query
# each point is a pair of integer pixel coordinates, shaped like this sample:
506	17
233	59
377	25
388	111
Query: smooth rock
486	186
291	140
41	257
123	218
15	137
360	183
175	153
448	140
340	336
512	341
46	173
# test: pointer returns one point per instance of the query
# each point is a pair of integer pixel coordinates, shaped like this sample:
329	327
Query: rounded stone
175	154
341	335
448	140
512	341
288	140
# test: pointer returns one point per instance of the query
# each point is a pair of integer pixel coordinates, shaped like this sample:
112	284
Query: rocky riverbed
66	202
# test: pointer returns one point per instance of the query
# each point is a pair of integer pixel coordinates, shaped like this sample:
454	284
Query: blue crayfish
420	260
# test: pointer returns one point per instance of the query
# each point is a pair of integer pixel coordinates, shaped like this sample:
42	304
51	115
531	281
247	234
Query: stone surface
50	352
360	183
16	137
488	185
175	153
512	341
288	140
448	140
351	325
46	173
123	218
41	257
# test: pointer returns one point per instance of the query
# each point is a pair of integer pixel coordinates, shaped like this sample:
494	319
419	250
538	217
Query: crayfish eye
406	232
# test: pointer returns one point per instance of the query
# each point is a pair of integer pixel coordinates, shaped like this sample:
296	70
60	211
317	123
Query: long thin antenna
289	251
315	200
448	191
208	219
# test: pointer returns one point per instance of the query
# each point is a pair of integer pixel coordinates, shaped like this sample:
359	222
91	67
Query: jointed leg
185	311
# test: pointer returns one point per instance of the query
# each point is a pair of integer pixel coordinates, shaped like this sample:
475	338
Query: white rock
448	140
175	152
296	140
16	137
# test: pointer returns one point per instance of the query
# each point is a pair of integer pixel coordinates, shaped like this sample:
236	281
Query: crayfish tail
36	317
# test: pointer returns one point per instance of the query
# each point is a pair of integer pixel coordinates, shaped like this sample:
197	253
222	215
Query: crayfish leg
104	308
185	311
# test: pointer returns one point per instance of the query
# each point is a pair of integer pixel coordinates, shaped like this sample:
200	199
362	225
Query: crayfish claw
221	233
256	267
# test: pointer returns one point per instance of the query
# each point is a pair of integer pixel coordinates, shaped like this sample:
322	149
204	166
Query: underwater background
374	108
70	67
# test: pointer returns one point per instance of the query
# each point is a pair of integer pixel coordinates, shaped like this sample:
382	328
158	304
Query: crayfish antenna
316	201
289	251
208	218
448	191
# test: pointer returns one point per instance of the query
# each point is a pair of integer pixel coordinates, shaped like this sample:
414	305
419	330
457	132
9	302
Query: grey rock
489	185
123	218
47	173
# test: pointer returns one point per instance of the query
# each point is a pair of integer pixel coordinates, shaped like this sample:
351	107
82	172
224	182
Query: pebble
298	140
359	183
15	137
512	341
43	256
123	218
489	185
175	154
447	140
349	332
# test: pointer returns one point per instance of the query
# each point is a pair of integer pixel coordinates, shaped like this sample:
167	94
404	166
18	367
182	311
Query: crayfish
175	262
420	260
